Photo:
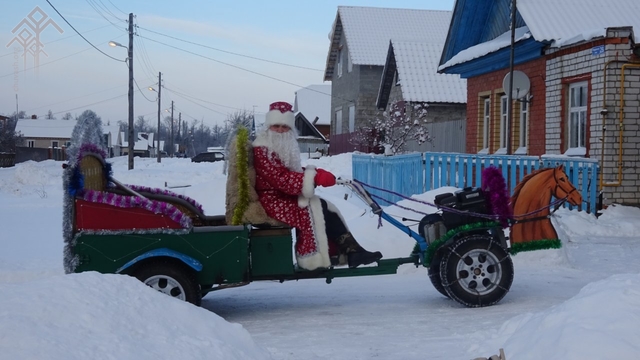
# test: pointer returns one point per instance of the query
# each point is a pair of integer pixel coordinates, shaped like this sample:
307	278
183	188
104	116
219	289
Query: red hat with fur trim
280	113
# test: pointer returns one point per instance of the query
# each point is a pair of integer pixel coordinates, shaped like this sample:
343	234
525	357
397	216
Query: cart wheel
476	271
171	278
434	275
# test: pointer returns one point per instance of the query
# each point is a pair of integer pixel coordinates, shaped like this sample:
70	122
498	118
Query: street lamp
130	64
159	93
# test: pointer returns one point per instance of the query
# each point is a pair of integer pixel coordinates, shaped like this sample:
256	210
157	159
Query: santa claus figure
287	192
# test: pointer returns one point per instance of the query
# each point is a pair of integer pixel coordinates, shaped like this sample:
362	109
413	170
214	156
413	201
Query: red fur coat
288	196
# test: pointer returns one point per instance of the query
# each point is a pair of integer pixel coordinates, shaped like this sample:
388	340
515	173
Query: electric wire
62	38
191	101
82	36
102	15
117	8
204	101
230	52
142	92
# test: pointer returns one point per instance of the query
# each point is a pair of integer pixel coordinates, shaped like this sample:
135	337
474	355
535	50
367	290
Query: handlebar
362	193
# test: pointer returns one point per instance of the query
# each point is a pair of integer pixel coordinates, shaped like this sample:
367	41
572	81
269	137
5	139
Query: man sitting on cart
286	190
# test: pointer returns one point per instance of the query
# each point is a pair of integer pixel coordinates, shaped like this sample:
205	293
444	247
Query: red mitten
324	178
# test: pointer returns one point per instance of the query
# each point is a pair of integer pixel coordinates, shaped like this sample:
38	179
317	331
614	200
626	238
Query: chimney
315	120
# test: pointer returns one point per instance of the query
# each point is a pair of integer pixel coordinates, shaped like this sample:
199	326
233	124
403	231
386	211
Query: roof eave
334	47
384	90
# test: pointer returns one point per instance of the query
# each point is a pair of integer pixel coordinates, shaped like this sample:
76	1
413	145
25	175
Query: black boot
356	254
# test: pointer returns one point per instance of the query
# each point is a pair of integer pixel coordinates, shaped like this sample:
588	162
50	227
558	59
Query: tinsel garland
536	245
431	249
157	191
493	183
157	207
242	165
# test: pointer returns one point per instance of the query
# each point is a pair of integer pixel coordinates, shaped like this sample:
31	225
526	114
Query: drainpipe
604	113
618	182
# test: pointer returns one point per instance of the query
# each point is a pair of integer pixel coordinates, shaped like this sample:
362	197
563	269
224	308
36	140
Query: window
67	144
504	124
31	143
349	63
485	125
576	126
338	121
352	118
339	63
55	144
524	125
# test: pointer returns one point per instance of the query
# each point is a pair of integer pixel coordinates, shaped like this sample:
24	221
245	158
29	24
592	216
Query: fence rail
420	172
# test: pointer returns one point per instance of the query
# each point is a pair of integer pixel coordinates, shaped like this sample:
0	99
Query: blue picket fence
417	173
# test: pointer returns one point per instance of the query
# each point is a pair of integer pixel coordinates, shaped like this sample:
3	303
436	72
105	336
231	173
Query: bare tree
49	115
67	116
392	129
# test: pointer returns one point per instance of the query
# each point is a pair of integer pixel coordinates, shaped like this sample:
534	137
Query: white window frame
504	124
352	118
524	127
486	123
338	117
339	63
349	63
578	98
31	143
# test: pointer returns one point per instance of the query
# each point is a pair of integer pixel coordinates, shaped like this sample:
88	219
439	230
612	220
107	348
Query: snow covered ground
578	302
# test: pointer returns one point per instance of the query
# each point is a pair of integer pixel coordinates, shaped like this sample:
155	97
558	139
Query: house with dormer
580	63
361	41
312	109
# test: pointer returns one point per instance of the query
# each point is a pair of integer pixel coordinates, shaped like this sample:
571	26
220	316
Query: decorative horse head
531	199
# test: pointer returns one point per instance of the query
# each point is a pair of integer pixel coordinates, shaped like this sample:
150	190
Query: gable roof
303	122
549	22
312	101
417	66
368	30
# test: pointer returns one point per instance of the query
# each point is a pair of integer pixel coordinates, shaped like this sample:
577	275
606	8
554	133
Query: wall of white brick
618	188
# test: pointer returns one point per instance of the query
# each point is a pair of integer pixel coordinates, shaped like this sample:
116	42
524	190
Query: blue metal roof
475	22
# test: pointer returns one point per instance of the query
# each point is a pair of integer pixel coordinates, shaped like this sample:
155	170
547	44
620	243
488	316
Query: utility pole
179	125
510	94
159	98
171	150
130	54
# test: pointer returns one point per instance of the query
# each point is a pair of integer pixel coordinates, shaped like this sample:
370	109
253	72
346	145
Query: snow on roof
369	29
417	64
312	101
485	48
41	128
569	21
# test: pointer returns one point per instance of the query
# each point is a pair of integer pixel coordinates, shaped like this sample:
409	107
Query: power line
95	7
208	108
141	92
222	62
75	98
63	38
230	52
114	5
205	101
85	39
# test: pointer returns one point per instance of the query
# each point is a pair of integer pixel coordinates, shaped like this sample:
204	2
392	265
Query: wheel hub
166	285
478	271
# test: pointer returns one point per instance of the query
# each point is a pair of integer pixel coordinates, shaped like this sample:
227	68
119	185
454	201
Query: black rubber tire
434	273
476	271
170	277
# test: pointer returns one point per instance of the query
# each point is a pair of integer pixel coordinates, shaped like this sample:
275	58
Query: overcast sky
283	45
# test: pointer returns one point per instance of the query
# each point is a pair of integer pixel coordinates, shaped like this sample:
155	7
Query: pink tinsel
494	185
158	191
157	207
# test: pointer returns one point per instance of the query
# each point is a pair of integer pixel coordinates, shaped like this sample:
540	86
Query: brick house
581	59
358	50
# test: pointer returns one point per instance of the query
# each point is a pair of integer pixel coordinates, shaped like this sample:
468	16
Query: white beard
284	145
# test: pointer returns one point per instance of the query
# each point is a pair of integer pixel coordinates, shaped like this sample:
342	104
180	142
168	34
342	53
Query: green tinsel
536	245
431	249
242	166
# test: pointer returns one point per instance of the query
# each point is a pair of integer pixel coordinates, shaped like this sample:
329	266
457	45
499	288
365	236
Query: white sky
579	302
205	82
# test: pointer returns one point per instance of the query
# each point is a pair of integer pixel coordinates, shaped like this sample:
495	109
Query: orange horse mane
523	182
